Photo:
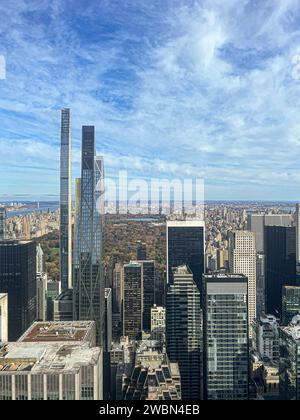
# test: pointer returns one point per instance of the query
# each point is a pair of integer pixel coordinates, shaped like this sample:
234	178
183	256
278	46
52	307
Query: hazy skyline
175	88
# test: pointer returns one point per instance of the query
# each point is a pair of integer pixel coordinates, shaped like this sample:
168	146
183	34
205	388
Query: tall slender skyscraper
65	202
2	223
184	331
242	260
133	300
226	337
185	246
88	271
297	223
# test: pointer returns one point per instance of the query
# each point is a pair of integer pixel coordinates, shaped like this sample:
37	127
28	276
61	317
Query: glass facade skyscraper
280	264
133	300
18	280
290	303
185	246
88	265
65	202
226	338
184	331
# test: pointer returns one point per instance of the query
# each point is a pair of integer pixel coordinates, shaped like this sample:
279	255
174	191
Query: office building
185	246
18	280
2	223
3	318
141	251
88	289
242	260
257	222
290	303
63	306
280	264
133	300
41	292
52	293
148	278
226	337
289	367
184	331
40	265
266	338
53	361
158	324
153	377
260	284
65	202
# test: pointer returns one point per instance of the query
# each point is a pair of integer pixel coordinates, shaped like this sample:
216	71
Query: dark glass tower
18	280
226	338
88	266
290	303
184	331
65	202
280	264
185	246
2	223
133	300
148	292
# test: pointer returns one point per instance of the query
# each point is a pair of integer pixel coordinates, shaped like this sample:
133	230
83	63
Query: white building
53	361
3	318
242	260
267	338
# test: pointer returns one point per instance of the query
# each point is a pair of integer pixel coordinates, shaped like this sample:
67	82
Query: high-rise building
280	264
185	246
52	293
18	280
53	361
148	278
133	300
266	338
88	270
65	201
117	301
153	377
260	284
242	260
40	267
63	306
290	303
257	222
289	366
41	293
141	251
2	223
184	331
226	337
3	318
158	324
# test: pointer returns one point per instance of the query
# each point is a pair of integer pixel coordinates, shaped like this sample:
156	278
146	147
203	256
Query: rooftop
54	332
45	357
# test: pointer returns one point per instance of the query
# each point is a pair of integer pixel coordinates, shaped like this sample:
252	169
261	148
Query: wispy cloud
175	88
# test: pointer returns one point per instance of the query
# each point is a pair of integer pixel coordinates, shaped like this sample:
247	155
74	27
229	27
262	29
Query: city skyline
213	79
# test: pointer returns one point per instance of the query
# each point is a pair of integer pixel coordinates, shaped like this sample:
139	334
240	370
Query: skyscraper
242	260
226	337
65	202
185	246
18	280
2	223
297	223
280	264
290	303
88	266
184	331
133	300
141	251
148	277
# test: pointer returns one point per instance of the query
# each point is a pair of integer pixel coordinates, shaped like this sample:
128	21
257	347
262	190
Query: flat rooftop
53	332
47	358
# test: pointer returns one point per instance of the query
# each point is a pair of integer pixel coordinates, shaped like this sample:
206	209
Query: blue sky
175	88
